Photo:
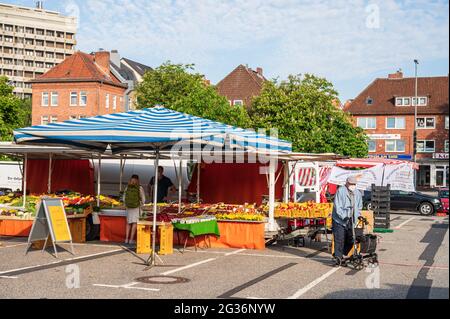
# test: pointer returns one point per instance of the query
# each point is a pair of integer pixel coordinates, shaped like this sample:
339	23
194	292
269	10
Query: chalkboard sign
50	220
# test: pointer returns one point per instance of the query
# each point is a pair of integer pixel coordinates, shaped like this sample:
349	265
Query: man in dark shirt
164	185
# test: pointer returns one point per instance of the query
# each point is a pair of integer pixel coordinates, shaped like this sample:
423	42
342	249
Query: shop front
433	173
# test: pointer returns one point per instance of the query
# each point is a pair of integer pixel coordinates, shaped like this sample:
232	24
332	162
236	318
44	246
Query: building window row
369	123
47	119
113	98
23	29
399	146
78	98
411	101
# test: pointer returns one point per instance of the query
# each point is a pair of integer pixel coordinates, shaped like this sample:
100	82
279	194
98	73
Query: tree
303	110
176	87
14	112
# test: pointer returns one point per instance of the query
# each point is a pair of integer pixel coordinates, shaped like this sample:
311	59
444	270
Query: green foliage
14	112
177	87
303	111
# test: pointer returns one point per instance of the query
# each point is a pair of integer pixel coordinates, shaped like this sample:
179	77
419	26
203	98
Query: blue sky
350	42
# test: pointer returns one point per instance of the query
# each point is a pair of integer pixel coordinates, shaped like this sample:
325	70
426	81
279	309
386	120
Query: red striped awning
371	162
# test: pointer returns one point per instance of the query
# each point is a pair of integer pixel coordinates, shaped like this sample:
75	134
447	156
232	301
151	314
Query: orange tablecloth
232	234
17	228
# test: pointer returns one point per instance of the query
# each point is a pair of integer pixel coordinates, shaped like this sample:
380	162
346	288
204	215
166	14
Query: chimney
39	5
396	75
101	58
259	71
115	57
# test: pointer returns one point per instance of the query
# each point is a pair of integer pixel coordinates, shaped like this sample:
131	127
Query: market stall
152	131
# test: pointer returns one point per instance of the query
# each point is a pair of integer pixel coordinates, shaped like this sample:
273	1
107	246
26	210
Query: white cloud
330	38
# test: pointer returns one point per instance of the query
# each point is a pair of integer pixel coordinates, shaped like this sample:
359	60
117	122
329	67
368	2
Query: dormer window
369	101
408	101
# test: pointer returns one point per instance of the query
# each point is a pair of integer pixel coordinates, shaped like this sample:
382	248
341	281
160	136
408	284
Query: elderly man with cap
346	210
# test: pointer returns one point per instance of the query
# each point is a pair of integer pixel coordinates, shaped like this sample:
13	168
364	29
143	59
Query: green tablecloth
203	228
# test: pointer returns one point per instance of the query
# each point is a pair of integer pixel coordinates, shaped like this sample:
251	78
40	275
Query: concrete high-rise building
32	41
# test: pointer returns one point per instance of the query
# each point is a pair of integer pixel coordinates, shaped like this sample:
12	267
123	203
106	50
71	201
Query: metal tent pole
286	182
272	167
198	181
180	184
155	202
49	183
121	174
99	178
25	162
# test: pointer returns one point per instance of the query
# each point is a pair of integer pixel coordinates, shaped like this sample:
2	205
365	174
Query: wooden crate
144	239
77	226
166	239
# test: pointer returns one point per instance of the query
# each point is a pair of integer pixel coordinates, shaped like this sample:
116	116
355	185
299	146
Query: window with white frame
446	146
425	146
107	101
395	122
402	101
54	98
73	98
367	122
114	102
83	98
53	119
238	103
426	123
422	101
397	146
44	100
44	120
446	122
372	145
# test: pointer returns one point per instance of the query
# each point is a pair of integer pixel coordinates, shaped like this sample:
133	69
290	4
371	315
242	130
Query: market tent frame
153	130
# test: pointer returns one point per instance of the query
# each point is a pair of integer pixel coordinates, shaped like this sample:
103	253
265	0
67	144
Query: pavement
414	263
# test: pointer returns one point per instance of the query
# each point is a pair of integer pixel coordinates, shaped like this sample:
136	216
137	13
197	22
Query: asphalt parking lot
414	262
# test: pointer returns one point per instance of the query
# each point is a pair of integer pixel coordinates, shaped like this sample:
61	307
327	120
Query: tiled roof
241	84
138	67
384	91
77	68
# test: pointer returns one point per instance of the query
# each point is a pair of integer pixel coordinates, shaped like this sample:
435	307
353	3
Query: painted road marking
187	266
9	277
59	262
314	283
10	246
126	286
404	223
412	265
235	252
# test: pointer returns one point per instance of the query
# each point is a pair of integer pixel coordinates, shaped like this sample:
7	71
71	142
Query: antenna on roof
39	5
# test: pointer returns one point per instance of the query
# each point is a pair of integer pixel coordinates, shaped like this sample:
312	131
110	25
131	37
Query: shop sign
440	156
384	136
404	157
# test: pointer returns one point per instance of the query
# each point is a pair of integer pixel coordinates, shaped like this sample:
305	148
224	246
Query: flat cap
352	180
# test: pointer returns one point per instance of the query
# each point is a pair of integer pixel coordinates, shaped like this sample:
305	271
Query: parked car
412	201
443	196
5	191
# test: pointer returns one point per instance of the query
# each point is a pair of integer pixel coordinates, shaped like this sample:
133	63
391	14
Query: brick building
83	85
241	85
385	110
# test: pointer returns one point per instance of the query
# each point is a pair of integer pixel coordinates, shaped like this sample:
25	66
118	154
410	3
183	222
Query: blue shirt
342	207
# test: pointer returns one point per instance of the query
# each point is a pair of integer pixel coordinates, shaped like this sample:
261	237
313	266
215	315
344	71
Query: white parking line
187	266
10	246
60	261
404	223
235	252
126	286
314	283
9	277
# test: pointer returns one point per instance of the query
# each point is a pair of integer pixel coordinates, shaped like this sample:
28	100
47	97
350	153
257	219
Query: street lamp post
415	101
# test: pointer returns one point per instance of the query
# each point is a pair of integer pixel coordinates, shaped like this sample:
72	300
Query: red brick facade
80	86
390	99
96	101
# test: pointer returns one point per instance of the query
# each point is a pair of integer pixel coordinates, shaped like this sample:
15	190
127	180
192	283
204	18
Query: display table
113	226
203	228
233	234
14	226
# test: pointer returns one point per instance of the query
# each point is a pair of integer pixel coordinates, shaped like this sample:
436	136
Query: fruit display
193	220
109	202
303	210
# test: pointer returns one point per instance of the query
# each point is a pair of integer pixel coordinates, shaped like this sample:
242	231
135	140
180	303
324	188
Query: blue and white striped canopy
147	129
